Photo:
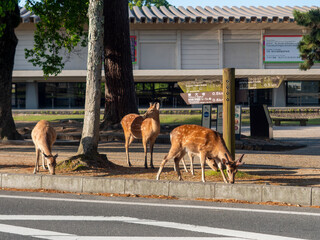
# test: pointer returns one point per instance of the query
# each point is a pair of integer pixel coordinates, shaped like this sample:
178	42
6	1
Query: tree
90	138
9	20
148	3
120	98
309	46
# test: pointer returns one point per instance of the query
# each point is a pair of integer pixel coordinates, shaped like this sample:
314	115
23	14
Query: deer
204	142
146	127
43	137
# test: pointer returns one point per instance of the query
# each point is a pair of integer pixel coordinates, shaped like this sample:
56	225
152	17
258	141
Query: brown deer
146	127
204	142
43	137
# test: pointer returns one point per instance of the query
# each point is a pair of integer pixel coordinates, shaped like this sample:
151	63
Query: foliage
309	46
61	27
148	3
5	7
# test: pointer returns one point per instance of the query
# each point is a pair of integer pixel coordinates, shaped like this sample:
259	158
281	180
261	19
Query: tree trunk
90	133
8	43
119	89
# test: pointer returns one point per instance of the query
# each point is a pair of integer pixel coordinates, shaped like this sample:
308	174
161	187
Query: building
178	44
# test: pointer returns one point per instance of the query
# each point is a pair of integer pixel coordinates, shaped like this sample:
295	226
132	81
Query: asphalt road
64	216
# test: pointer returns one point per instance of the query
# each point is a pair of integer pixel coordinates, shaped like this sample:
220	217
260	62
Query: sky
221	3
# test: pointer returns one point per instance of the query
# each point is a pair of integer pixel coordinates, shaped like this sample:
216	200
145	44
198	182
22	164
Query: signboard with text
281	49
202	97
260	82
201	86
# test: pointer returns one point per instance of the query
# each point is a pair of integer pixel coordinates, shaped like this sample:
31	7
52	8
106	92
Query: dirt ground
261	167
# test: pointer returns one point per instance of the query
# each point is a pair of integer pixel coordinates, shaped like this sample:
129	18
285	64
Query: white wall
199	49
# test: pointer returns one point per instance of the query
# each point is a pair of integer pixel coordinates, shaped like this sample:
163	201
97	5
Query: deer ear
151	104
224	161
157	105
45	155
55	156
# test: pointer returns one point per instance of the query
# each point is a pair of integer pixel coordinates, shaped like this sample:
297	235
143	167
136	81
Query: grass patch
165	119
180	119
239	174
48	117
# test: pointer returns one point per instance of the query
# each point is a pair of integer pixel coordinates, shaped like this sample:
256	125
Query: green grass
168	119
239	174
165	119
48	117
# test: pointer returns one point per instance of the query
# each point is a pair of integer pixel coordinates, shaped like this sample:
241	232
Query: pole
229	109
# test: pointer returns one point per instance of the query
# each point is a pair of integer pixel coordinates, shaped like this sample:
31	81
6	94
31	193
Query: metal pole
229	109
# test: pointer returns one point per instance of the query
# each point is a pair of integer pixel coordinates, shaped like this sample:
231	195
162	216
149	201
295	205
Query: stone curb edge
306	196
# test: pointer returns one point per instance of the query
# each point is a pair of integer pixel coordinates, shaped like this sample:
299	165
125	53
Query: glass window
303	93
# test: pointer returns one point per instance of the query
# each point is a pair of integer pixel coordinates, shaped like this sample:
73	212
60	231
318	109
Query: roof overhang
170	75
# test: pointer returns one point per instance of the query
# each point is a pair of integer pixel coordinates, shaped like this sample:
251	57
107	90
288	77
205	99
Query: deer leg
36	168
128	140
164	161
144	142
222	172
176	163
191	162
151	144
202	162
44	162
184	165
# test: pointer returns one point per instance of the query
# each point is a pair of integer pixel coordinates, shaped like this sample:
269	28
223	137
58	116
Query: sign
260	82
281	49
133	49
237	120
206	116
201	86
202	97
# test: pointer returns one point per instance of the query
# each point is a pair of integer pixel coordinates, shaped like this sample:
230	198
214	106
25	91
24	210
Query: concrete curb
307	196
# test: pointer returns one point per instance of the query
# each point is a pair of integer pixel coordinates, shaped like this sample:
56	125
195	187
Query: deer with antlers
145	127
43	137
207	144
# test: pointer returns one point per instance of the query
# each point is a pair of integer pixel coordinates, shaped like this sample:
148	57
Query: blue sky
222	3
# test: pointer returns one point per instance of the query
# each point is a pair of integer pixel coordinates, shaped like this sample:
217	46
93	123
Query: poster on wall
281	49
133	47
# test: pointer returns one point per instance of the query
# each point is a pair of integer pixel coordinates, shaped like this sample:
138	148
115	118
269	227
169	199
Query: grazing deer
211	164
146	127
43	137
204	142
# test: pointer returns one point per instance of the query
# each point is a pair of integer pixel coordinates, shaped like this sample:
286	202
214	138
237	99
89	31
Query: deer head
51	160
232	167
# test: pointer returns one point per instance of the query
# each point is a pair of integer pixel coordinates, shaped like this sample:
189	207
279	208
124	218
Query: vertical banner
206	116
133	47
237	120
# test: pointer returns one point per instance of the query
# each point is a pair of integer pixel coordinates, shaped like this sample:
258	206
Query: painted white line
31	232
162	205
149	222
142	238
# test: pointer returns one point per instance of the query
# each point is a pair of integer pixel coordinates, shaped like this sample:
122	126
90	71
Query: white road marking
32	232
163	205
181	226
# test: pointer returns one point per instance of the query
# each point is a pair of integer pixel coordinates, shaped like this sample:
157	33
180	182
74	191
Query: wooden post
229	109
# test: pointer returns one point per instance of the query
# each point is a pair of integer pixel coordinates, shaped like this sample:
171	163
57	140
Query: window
303	93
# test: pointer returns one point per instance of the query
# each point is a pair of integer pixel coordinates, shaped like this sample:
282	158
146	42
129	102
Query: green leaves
7	7
309	46
61	28
148	3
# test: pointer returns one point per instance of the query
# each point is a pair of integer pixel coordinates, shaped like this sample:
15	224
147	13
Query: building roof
201	14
